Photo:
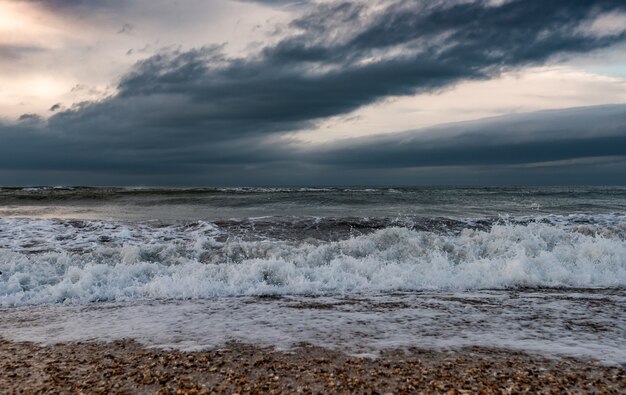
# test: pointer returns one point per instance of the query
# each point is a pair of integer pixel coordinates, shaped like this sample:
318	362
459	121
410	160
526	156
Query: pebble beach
128	367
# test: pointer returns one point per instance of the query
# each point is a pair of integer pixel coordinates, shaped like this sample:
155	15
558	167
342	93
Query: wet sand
128	367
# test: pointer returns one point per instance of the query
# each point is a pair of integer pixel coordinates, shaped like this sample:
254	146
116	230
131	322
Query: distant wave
82	192
60	193
45	262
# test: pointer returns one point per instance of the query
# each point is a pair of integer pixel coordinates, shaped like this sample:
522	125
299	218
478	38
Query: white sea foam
44	262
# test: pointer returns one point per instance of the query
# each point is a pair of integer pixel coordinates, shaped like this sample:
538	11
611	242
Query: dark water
171	205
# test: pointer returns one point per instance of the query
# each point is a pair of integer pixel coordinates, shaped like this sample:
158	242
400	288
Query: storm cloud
200	111
349	55
538	137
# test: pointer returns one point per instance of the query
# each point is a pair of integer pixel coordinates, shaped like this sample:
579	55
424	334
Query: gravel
128	367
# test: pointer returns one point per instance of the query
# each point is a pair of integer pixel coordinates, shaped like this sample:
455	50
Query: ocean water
359	269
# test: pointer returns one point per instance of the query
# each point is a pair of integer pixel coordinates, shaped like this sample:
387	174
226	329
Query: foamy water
360	270
47	262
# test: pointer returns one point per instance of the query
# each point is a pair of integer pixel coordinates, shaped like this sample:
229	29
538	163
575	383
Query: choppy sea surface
359	269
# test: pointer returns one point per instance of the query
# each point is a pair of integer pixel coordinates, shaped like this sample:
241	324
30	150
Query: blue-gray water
224	203
444	267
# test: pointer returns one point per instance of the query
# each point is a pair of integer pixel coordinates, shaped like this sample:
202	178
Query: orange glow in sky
10	17
25	24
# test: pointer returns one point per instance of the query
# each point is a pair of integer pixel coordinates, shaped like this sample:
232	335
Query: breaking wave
47	262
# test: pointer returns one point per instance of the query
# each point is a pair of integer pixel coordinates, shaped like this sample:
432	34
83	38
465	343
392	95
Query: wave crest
190	262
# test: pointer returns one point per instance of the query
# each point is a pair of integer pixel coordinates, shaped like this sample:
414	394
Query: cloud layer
538	137
197	112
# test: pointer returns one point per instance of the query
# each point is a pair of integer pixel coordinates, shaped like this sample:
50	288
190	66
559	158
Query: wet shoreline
127	367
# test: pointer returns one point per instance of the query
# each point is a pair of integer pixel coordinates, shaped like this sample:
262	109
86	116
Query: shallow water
578	323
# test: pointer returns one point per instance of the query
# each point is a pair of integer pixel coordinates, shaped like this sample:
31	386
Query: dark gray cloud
56	107
546	136
572	146
30	118
347	55
199	112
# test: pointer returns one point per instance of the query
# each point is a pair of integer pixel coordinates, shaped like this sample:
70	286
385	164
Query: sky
303	92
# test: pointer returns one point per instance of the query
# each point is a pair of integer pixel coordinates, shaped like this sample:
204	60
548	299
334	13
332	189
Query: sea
361	270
